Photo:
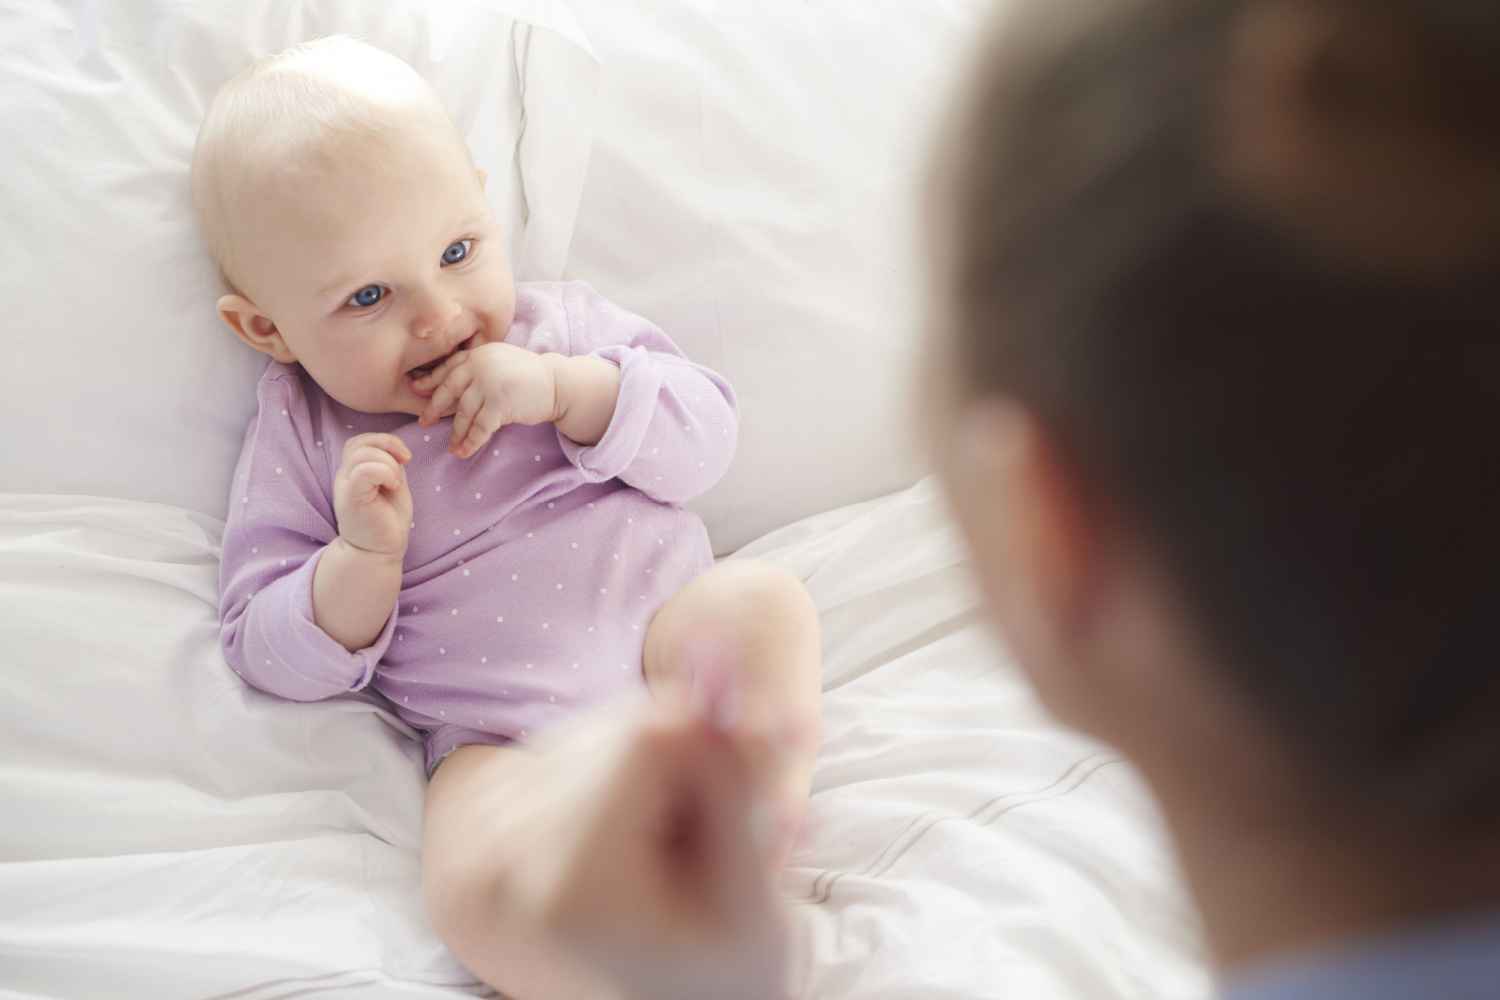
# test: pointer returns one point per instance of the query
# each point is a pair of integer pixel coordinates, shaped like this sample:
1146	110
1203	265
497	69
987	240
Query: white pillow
752	190
120	379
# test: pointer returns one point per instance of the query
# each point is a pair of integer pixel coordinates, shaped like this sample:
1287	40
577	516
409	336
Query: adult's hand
659	879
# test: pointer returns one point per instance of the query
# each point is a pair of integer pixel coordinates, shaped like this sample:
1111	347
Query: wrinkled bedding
170	832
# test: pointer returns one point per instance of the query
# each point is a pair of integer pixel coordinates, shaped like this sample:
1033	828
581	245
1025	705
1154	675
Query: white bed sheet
169	832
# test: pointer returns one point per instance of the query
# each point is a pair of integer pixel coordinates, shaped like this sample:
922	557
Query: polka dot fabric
533	568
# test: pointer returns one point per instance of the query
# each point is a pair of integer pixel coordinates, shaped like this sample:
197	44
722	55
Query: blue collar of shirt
1452	960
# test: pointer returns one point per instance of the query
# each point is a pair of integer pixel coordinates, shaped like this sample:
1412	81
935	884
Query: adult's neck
1274	883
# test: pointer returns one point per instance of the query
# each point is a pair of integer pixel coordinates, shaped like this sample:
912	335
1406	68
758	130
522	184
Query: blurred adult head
1214	387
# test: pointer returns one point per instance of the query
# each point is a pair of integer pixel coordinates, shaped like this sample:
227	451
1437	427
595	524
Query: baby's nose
436	318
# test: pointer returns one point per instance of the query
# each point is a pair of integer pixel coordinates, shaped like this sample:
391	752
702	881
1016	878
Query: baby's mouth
429	367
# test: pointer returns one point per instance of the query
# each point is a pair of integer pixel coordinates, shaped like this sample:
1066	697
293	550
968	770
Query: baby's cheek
501	312
367	388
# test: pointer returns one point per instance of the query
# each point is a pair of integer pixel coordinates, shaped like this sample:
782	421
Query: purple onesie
533	568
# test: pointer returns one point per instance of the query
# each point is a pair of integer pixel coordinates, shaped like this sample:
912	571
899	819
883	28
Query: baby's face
378	258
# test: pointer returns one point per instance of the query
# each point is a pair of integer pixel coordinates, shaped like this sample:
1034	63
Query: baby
459	491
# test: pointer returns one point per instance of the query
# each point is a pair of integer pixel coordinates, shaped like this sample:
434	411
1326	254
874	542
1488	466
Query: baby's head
347	217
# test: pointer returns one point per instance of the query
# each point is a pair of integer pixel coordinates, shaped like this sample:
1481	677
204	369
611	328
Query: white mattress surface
170	832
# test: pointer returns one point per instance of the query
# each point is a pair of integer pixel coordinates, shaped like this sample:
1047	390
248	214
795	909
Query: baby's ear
254	327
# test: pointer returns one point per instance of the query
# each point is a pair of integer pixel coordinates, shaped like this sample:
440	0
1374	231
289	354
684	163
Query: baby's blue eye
457	251
367	296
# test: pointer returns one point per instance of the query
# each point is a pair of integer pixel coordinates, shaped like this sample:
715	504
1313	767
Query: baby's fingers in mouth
438	367
427	383
422	383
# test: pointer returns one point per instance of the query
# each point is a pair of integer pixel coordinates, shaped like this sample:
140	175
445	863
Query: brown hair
1241	260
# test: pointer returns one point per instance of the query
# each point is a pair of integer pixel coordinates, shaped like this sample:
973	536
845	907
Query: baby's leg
756	620
472	831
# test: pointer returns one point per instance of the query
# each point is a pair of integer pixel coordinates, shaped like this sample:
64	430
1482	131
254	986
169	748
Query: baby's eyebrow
343	281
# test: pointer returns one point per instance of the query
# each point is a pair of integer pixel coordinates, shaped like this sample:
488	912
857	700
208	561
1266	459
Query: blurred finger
715	692
739	832
685	850
710	820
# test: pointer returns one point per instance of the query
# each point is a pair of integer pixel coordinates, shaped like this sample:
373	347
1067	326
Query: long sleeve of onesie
280	519
675	423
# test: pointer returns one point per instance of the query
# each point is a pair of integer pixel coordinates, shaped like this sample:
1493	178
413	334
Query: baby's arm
588	390
280	531
672	429
354	592
359	577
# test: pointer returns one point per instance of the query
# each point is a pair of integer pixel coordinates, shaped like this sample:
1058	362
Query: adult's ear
1034	549
1042	526
254	327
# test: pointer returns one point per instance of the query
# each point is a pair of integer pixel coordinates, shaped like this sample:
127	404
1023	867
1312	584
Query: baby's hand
371	501
485	389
